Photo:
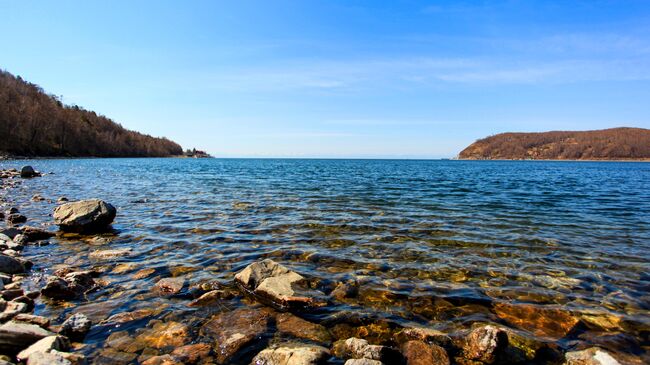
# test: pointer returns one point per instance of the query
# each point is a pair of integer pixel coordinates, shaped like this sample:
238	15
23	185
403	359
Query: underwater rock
297	327
169	286
357	348
212	297
84	216
70	286
276	285
109	254
292	354
363	362
420	353
164	334
192	354
427	335
544	322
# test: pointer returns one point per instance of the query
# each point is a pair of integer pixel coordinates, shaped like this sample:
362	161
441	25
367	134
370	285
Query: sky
338	79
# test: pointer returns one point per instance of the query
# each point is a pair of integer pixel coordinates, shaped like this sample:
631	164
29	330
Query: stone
363	362
164	334
345	291
113	357
76	327
12	309
590	356
297	327
192	354
121	341
141	274
292	354
37	198
74	358
70	286
420	353
276	285
109	254
27	172
45	344
357	348
485	344
47	358
169	286
16	218
161	360
84	216
62	199
42	322
126	317
15	336
212	297
32	234
235	330
427	335
543	322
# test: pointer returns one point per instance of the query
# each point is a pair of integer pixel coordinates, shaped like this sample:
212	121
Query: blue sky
405	79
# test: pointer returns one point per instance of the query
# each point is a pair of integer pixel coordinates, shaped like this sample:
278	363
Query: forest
608	144
34	123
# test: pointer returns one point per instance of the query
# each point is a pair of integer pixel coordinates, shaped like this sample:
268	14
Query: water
435	243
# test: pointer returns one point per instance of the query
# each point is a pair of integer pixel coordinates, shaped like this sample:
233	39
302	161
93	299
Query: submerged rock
363	362
70	286
234	331
169	286
213	297
164	334
76	327
192	354
485	344
541	321
276	285
84	215
420	353
427	335
591	356
297	327
292	354
357	348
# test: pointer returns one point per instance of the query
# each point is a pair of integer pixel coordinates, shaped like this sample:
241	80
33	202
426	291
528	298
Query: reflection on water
437	243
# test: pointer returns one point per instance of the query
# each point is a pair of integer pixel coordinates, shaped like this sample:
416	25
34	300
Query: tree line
34	123
615	143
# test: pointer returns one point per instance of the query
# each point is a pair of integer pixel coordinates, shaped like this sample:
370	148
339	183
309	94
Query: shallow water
436	243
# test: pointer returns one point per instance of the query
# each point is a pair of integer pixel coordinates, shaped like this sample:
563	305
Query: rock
84	215
42	322
35	234
27	172
289	324
47	358
37	198
169	286
141	274
590	356
70	286
16	218
212	297
234	331
420	353
75	359
276	285
427	335
164	334
485	344
345	291
523	348
292	354
161	360
76	327
543	322
11	309
46	344
15	336
357	348
109	254
126	317
192	354
114	357
363	362
10	265
62	199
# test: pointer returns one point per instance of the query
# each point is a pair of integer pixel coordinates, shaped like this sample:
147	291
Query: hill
33	123
607	144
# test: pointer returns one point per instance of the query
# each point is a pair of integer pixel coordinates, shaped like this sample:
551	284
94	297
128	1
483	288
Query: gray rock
363	362
292	354
76	327
590	356
47	358
15	336
485	344
358	348
84	215
28	171
70	286
46	344
10	265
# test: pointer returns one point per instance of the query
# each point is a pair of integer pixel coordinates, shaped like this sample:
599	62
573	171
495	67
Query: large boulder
84	215
276	285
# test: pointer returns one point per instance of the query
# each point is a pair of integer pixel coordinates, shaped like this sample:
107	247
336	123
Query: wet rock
276	285
141	274
363	362
42	322
295	326
591	356
292	354
485	344
357	348
10	265
169	286
70	286
164	334
46	344
544	322
76	327
427	335
28	171
73	358
113	357
234	331
11	293
126	317
11	309
84	216
192	354
32	234
345	291
16	218
420	353
161	360
522	348
212	297
37	198
109	254
122	341
47	358
62	199
15	336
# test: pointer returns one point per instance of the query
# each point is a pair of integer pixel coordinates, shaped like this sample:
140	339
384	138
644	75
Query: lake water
436	243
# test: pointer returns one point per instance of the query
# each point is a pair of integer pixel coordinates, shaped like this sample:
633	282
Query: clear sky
314	78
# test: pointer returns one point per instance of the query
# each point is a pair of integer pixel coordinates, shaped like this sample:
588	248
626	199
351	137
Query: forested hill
607	144
33	123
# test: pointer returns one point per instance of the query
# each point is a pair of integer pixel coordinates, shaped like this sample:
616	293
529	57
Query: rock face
10	265
485	343
84	215
234	331
292	354
276	285
591	356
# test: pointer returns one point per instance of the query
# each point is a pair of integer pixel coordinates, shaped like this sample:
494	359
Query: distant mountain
607	144
33	123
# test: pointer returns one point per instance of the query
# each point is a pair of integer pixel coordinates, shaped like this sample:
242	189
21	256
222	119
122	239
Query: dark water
436	243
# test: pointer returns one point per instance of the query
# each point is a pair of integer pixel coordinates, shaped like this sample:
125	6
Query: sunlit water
434	243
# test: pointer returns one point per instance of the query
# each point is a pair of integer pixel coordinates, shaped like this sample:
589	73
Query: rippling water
431	242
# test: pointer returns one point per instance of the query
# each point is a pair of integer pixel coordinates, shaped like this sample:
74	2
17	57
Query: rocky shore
278	301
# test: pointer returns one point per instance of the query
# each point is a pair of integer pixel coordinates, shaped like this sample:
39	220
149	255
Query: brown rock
122	341
420	353
169	286
427	335
591	356
212	297
235	330
485	344
357	348
161	360
70	286
126	317
292	354
15	336
113	357
165	334
543	322
298	327
45	344
192	354
42	322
